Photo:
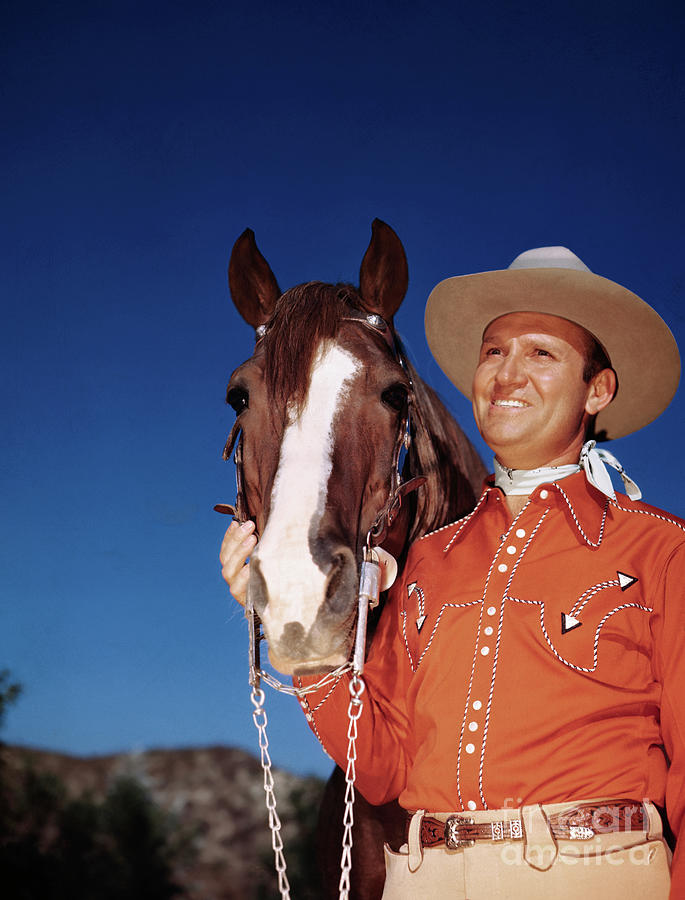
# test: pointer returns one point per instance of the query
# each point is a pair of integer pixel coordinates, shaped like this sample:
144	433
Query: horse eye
238	398
395	397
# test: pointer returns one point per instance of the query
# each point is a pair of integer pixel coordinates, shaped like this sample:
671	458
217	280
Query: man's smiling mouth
510	404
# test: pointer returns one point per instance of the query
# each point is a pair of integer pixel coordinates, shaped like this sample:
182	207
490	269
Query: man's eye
238	398
541	352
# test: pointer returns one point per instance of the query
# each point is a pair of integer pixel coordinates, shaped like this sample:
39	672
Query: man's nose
511	370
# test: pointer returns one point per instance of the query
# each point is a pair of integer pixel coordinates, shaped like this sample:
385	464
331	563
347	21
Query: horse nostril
294	639
340	583
334	576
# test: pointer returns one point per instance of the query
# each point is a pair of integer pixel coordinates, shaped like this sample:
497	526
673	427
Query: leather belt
578	823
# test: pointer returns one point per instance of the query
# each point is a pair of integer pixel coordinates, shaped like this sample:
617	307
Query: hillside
215	792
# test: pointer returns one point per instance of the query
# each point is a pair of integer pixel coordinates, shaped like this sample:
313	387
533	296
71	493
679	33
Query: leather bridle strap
239	511
378	325
398	488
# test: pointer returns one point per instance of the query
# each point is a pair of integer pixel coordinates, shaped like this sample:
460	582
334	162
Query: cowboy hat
553	280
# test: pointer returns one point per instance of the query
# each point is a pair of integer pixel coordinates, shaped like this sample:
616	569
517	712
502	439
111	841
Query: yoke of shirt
573	553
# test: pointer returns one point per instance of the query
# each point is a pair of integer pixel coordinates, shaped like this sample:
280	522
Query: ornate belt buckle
452	838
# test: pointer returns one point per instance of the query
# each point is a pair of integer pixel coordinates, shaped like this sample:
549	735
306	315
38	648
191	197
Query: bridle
368	598
379	528
398	488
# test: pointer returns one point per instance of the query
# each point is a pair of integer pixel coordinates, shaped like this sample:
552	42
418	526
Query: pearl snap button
511	550
488	630
520	532
491	610
502	567
473	726
470	748
544	495
476	704
484	651
472	805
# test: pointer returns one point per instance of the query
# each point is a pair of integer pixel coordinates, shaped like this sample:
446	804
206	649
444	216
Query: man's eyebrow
528	336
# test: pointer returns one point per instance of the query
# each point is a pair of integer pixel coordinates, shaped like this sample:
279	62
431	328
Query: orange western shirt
527	661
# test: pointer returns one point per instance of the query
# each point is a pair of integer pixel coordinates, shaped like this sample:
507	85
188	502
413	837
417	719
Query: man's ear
602	390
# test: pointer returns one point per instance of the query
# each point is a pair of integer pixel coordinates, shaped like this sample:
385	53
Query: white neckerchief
593	460
521	482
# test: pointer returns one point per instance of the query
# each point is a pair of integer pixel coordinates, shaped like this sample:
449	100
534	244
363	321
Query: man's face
530	401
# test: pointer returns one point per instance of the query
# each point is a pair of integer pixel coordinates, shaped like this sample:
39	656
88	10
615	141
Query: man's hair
596	360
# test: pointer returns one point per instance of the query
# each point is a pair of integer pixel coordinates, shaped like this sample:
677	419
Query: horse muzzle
308	615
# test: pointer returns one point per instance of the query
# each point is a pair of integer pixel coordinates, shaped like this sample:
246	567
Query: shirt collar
583	491
583	506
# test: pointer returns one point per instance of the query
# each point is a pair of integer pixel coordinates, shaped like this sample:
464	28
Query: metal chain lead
369	589
260	720
354	711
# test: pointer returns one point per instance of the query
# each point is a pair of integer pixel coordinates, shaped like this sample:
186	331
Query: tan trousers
611	866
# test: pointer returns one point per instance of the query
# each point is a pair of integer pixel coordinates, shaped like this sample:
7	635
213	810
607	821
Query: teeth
515	403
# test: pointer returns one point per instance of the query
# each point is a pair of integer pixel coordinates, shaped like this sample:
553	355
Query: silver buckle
452	826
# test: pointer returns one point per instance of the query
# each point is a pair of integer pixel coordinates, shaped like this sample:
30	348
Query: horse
323	407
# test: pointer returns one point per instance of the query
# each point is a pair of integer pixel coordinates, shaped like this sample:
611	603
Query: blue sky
139	140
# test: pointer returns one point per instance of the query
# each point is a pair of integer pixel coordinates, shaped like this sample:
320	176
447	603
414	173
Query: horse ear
253	285
383	276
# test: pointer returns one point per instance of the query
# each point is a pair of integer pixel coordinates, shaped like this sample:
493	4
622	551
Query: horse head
321	411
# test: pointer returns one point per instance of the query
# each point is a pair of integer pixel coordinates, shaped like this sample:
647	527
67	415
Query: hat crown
549	258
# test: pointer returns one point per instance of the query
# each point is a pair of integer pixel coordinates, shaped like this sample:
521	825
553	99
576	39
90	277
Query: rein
367	598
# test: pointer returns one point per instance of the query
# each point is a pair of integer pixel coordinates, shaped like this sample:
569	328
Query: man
524	696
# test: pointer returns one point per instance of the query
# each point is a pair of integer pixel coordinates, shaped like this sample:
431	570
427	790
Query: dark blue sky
139	140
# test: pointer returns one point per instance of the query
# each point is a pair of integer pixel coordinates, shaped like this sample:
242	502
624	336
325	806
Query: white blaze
296	585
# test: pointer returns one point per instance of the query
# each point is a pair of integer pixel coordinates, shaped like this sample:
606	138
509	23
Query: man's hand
238	543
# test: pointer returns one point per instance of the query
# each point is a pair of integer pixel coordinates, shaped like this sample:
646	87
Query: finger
239	541
233	563
238	585
237	531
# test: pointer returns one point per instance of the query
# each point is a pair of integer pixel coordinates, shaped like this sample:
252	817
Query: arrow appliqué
568	623
626	581
422	616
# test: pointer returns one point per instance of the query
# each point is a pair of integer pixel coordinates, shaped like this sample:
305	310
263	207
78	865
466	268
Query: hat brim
639	343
